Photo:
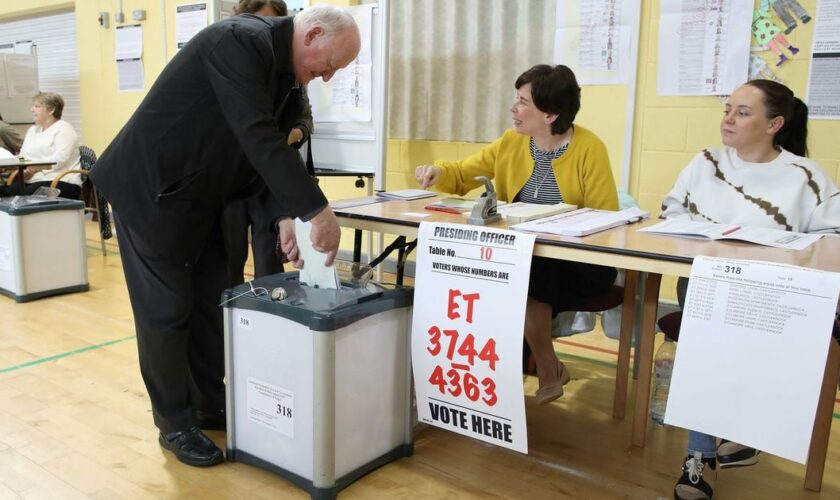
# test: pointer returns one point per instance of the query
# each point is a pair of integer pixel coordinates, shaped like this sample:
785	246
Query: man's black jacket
213	124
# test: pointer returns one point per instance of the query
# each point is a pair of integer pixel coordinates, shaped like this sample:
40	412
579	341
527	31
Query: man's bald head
326	39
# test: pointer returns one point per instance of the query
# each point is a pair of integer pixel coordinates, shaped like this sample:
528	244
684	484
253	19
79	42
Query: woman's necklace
537	191
562	147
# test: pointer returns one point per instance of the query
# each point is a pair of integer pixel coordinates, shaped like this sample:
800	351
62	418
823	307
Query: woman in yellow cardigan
545	159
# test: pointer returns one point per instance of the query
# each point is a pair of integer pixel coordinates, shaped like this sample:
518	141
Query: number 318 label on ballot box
469	310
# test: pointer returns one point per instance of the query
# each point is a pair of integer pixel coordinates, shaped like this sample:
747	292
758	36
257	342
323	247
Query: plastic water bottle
663	365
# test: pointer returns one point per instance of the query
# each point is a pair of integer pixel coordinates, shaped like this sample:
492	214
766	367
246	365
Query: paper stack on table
583	221
6	158
354	202
406	194
517	212
777	238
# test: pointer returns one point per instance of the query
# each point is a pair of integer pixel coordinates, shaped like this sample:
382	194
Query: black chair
670	325
94	202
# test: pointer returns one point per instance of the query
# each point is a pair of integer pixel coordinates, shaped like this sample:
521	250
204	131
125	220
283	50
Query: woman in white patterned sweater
760	178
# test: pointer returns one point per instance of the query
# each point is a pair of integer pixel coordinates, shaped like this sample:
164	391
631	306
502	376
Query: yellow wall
668	131
19	8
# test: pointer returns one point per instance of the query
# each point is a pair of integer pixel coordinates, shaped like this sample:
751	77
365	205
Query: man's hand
295	136
288	242
326	234
427	175
28	173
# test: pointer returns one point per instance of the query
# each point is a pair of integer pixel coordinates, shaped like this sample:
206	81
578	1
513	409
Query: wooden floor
75	423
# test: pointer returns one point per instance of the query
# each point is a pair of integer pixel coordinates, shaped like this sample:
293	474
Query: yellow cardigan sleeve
457	177
584	175
598	184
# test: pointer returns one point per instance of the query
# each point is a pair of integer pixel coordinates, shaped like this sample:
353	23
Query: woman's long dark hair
780	101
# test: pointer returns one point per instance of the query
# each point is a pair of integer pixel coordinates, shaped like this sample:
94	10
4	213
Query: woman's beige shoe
554	390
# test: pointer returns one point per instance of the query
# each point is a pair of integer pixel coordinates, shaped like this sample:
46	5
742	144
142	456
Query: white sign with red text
470	293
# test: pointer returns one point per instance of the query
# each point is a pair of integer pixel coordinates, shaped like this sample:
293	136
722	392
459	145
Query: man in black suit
212	128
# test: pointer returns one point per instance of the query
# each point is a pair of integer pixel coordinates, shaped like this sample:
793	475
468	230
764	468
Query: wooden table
21	166
656	255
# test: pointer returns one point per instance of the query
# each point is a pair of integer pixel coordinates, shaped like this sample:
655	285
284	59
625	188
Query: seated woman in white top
51	139
760	178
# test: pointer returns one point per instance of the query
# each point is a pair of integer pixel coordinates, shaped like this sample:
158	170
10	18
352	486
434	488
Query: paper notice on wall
295	5
752	353
130	75
824	77
470	292
189	20
704	46
21	75
128	42
594	39
24	47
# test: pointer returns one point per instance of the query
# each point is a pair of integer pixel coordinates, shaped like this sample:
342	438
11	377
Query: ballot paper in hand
314	272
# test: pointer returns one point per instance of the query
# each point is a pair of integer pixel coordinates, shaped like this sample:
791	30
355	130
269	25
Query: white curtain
453	64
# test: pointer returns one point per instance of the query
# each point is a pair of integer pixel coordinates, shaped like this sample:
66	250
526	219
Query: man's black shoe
210	420
192	447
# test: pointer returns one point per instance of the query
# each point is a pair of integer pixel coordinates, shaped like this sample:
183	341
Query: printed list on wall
824	78
704	46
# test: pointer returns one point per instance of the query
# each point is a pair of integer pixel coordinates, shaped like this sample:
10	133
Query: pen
730	230
634	220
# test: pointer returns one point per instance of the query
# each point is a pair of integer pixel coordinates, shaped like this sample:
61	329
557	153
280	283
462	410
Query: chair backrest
87	157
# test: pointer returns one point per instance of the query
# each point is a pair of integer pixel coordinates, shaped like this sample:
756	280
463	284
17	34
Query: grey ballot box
319	383
42	247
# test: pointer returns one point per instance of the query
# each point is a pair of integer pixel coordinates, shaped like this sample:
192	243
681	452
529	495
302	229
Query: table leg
401	261
822	421
637	324
21	181
644	358
357	245
628	313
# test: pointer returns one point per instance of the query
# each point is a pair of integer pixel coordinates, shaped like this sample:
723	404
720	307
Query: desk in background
23	165
360	177
656	255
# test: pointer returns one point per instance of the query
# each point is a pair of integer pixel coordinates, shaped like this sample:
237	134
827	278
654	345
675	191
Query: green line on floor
585	359
117	341
63	355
